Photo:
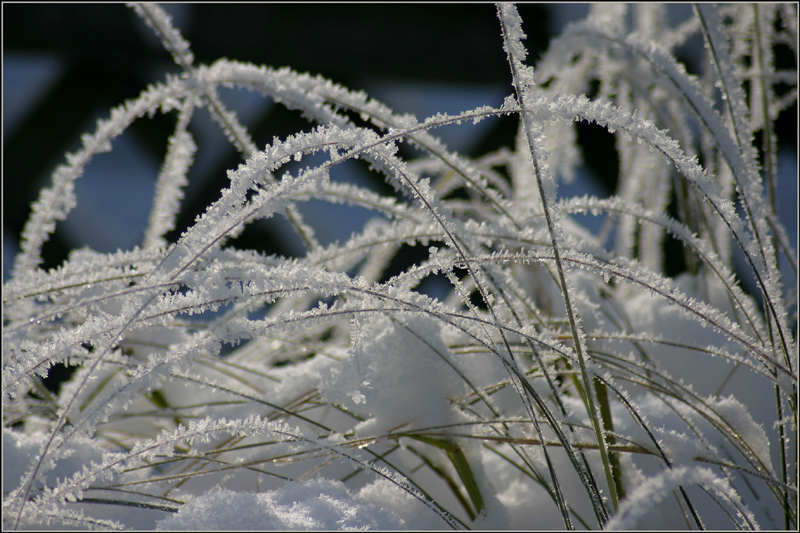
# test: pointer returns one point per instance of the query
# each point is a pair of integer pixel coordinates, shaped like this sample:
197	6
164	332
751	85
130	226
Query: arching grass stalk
523	80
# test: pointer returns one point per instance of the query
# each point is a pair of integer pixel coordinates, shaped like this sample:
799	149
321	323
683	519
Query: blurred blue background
66	65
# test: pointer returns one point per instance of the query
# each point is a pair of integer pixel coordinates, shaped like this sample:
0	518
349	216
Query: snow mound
312	504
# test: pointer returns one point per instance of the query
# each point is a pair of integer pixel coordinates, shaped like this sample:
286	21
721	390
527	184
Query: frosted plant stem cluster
566	380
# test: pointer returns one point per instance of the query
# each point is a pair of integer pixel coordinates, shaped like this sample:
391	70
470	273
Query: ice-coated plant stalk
523	80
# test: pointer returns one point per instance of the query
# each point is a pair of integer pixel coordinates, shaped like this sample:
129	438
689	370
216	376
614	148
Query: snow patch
394	377
312	504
